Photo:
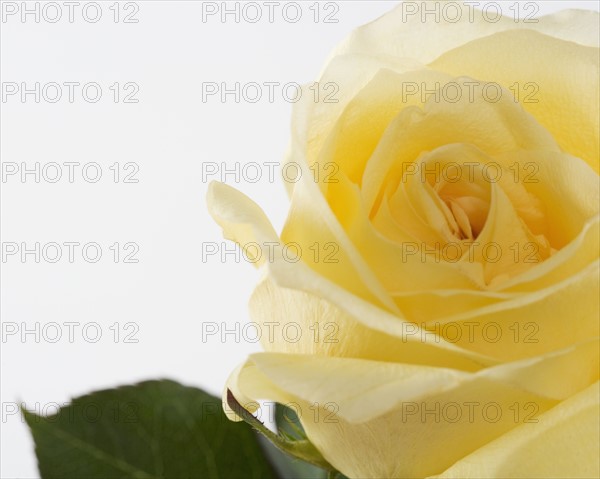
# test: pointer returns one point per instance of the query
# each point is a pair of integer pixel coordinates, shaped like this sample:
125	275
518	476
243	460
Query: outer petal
316	325
564	443
558	82
401	34
407	419
311	223
530	324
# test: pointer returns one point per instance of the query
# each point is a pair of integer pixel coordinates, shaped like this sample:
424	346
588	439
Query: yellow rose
450	317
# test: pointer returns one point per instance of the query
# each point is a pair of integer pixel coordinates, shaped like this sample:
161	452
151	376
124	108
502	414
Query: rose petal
564	100
381	416
564	443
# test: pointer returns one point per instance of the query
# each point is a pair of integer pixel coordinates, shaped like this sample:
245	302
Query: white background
170	133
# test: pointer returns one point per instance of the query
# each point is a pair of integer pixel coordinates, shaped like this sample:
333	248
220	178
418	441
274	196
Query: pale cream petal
530	324
301	278
569	260
564	443
242	220
577	367
312	224
388	423
301	322
357	130
402	34
446	306
568	188
558	82
435	305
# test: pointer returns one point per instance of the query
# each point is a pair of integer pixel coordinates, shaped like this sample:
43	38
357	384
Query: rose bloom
447	218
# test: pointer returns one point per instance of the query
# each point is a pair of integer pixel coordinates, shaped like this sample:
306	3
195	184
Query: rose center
465	203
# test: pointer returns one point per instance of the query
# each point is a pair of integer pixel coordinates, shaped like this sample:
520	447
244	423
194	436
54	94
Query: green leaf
155	429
